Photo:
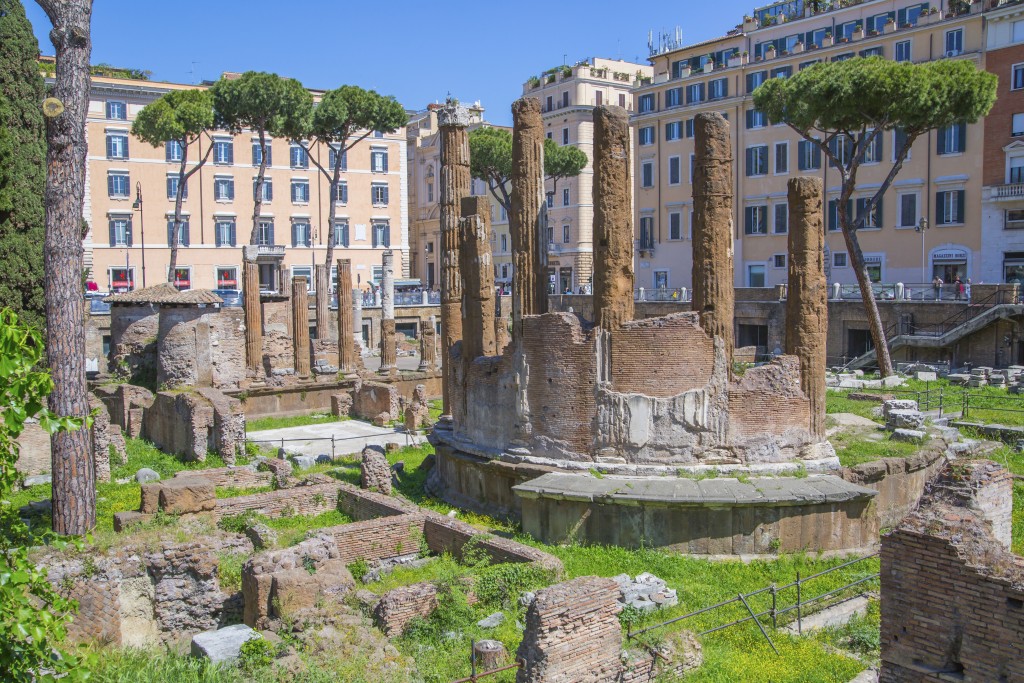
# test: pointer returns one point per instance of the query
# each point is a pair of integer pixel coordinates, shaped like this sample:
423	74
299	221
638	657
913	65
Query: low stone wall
446	535
378	539
359	504
375	401
33	450
298	500
232	476
900	482
400	606
952	592
191	423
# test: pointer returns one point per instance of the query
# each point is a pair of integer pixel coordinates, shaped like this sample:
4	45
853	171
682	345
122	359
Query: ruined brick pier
388	348
613	219
348	359
478	273
527	221
253	312
300	326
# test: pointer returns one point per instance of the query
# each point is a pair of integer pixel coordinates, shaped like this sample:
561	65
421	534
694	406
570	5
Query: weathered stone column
347	358
388	352
253	311
613	219
478	274
454	179
500	324
428	346
300	326
322	280
807	302
528	220
357	317
713	296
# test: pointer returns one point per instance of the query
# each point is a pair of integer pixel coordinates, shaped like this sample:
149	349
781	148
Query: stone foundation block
150	498
223	645
904	419
908	435
187	495
124	520
298	589
341	405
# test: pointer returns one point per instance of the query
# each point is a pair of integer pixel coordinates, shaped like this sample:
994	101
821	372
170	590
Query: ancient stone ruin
568	395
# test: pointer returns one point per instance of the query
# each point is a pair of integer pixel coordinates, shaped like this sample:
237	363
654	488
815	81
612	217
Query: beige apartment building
424	152
929	222
130	190
568	95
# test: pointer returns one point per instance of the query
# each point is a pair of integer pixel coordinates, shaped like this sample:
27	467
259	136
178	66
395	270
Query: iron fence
801	602
477	675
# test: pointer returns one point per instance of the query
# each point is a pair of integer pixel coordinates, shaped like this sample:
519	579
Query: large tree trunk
179	195
866	293
323	275
74	476
257	207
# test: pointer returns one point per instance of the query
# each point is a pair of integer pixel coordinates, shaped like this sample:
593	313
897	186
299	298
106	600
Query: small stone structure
528	217
192	423
807	299
454	181
374	470
341	404
388	349
613	219
952	593
376	401
417	411
573	634
300	326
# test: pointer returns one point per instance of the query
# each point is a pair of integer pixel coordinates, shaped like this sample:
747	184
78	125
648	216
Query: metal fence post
333	455
940	400
799	623
472	658
775	623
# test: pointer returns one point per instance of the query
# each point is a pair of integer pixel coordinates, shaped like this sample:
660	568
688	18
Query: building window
565	196
379	194
381	234
755	275
120	231
755	79
872	220
902	49
122	279
565	98
839	259
172	188
117	145
379	161
954	42
873	153
673	97
949	207
1017	80
757	160
565	233
718	89
1016	171
647	174
951	139
224	232
301	234
675	226
693	161
899	139
504	243
298	156
173	150
695	93
598	98
117	110
306	272
673	131
1014	219
809	156
689	128
341	237
300	191
779	261
833	213
257	155
841	148
430	193
183	232
223	189
227	277
646	135
548	104
223	151
781	157
268	189
1017	127
755	220
781	219
332	158
622	100
908	210
341	192
118	185
674	171
646	232
565	136
756	119
265	233
645	103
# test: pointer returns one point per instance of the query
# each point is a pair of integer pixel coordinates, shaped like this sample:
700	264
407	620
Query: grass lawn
273	422
853	448
837	402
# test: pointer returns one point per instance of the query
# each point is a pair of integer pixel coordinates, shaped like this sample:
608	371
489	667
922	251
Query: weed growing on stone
856	447
229	570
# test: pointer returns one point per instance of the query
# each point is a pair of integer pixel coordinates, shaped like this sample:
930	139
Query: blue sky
416	51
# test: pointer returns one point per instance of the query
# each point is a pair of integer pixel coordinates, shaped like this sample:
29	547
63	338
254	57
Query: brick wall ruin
133	341
200	347
952	592
192	423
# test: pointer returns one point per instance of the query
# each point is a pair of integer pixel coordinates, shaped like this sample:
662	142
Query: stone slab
673	491
223	645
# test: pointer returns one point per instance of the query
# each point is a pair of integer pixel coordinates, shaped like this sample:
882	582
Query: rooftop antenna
192	71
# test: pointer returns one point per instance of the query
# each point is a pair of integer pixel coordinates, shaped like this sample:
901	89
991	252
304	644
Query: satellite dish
52	107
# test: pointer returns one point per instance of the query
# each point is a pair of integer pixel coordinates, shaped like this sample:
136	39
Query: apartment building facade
1002	221
929	222
130	191
568	96
424	164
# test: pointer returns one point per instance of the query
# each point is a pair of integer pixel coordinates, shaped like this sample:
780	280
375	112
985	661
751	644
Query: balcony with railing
270	251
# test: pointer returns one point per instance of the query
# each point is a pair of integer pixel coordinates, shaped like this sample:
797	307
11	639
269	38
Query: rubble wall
675	345
200	347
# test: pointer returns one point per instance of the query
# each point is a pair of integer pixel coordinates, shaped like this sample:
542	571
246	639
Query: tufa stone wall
952	593
133	341
200	347
375	401
192	423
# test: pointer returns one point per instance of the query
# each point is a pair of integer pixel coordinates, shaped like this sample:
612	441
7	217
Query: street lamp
137	206
921	227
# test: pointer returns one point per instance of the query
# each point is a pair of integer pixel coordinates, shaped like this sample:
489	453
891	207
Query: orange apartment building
130	189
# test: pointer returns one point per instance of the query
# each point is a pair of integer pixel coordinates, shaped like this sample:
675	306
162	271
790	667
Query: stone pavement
351	436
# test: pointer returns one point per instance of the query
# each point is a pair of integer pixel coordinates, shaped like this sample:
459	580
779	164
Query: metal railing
775	611
679	295
477	675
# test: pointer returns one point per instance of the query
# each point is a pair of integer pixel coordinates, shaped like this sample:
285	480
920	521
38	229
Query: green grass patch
837	402
291	529
853	448
1017	543
236	491
274	422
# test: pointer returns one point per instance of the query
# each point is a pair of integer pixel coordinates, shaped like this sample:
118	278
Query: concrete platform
351	437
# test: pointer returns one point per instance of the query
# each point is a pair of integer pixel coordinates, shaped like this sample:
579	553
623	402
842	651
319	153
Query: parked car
232	297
